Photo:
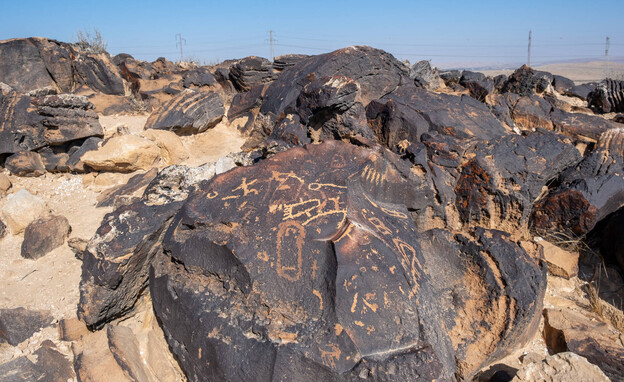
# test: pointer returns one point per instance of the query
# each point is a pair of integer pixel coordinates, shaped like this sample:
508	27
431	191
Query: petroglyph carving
288	266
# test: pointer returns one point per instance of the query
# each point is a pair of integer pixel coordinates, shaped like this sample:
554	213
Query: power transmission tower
529	51
271	41
607	43
179	42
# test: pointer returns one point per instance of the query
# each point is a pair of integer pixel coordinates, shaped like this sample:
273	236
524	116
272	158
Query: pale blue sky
467	32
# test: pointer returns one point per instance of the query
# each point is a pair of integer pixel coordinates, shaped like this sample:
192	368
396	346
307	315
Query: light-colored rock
585	334
224	164
106	179
561	263
562	367
5	184
123	154
94	361
20	209
172	151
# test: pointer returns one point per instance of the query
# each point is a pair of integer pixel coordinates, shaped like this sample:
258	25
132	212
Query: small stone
5	184
25	163
44	235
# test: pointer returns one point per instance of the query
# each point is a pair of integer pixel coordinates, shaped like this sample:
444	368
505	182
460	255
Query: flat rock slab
19	324
308	265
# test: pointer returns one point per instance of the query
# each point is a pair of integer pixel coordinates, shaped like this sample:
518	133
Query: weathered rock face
525	81
34	63
588	192
19	324
328	107
31	123
497	188
43	235
376	72
424	75
335	282
190	112
198	77
608	97
581	91
116	260
286	61
477	84
531	112
409	112
580	126
251	71
562	84
114	270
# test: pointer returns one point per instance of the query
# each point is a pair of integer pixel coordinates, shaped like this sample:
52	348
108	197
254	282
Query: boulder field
379	223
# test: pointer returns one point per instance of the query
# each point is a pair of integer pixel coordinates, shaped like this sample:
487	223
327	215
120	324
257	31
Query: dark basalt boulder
562	84
114	270
43	235
587	193
580	126
376	72
498	186
328	107
477	84
532	112
50	365
19	324
525	81
409	112
32	123
581	91
25	163
244	102
608	97
251	71
425	76
198	77
97	72
190	112
286	61
290	131
451	77
499	82
116	260
34	63
307	265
